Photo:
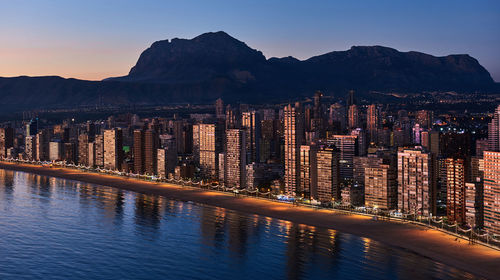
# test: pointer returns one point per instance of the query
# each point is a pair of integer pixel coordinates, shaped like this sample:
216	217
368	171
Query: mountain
216	65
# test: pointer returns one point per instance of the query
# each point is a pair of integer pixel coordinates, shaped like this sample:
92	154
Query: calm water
58	229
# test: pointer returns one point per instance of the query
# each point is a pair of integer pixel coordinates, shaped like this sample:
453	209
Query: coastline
476	259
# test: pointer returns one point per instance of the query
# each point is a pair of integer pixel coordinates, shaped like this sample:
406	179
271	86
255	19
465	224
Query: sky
96	39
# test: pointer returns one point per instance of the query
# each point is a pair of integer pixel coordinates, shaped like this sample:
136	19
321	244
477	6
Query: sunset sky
97	39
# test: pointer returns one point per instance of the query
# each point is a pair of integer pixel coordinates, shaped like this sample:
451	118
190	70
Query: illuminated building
328	187
235	158
455	191
492	191
308	170
113	154
416	192
380	187
294	131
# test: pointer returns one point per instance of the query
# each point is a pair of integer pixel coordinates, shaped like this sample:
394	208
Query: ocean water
60	229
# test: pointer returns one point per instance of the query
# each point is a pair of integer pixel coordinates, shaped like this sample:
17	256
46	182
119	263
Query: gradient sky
95	39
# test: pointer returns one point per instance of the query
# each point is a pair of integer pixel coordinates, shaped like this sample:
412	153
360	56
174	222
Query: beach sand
447	249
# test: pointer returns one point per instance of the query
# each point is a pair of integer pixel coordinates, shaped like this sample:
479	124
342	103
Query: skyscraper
235	158
294	131
219	109
55	151
99	150
347	144
351	99
210	145
6	140
381	187
492	191
456	176
308	170
250	122
30	147
474	204
42	145
151	145
353	117
167	159
416	193
372	122
139	161
328	186
113	153
338	117
494	131
83	149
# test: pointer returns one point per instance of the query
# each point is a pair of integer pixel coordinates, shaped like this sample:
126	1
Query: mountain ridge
215	64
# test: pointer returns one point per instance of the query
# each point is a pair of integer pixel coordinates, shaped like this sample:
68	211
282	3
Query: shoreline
476	259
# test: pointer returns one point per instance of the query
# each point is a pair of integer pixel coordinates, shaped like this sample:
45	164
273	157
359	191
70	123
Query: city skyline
94	40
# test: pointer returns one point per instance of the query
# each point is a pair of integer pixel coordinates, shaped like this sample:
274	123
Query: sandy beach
476	259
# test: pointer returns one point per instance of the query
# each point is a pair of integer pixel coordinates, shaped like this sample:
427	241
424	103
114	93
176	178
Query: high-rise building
494	131
353	117
99	150
42	145
250	122
361	139
210	145
372	122
416	192
235	158
359	166
481	146
183	134
83	149
91	151
328	185
347	145
222	169
491	191
294	131
351	99
196	143
167	159
381	187
151	145
113	153
6	140
139	157
474	204
55	151
219	109
338	117
232	117
308	170
30	147
69	152
456	176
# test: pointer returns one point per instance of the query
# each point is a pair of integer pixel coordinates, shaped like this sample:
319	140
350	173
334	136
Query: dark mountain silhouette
216	65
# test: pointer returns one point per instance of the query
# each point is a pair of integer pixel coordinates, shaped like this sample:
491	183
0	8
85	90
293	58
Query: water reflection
102	232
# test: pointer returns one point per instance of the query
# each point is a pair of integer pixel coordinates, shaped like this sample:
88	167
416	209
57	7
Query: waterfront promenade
476	259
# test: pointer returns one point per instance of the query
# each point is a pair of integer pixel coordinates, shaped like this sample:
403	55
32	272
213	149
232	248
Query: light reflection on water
61	229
